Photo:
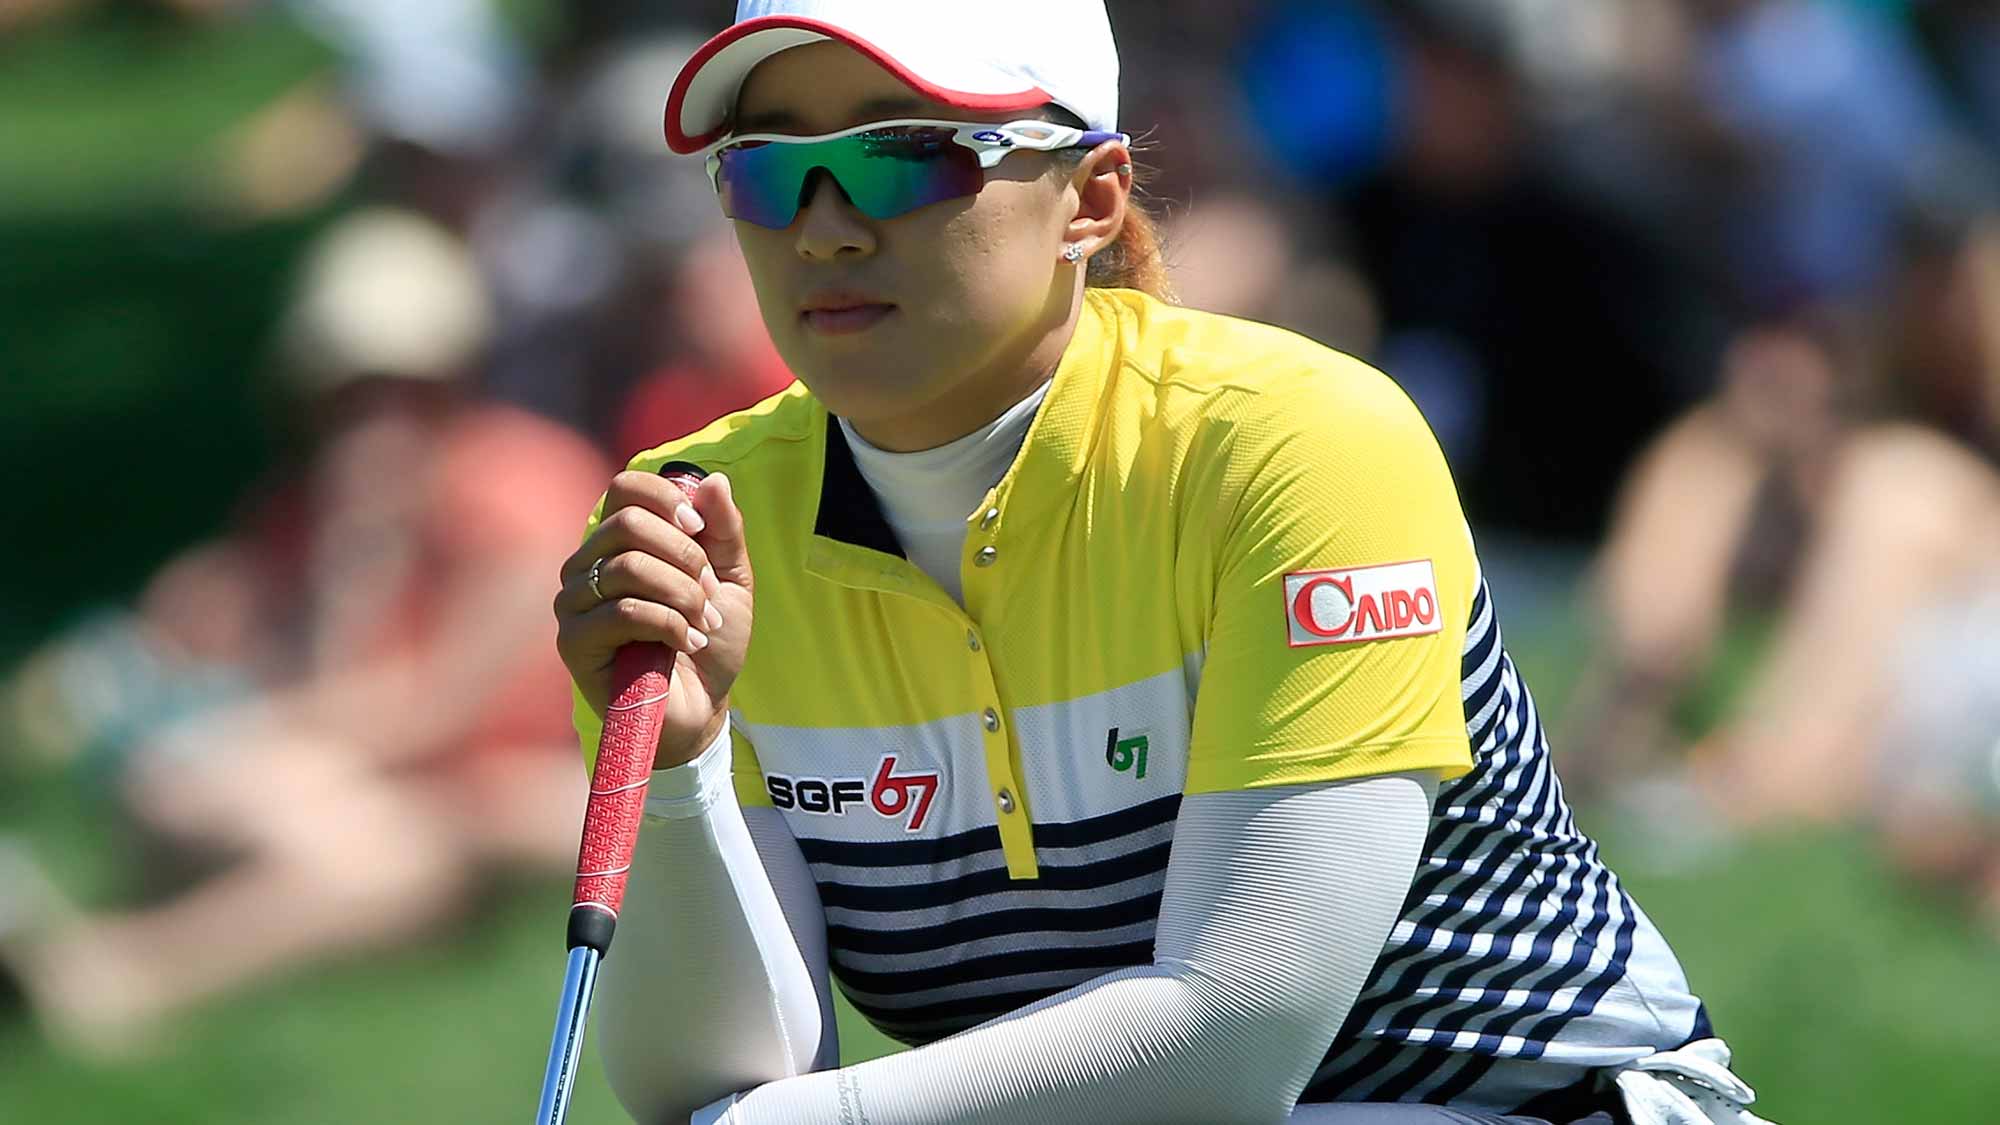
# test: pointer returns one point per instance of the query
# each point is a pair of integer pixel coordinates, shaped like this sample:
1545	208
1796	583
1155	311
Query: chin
854	389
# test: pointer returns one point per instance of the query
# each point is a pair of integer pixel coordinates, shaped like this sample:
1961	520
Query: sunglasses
887	169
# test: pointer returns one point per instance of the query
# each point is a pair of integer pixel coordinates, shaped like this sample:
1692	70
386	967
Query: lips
843	313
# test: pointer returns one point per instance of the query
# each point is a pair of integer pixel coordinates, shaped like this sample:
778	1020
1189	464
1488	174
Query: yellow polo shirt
1225	557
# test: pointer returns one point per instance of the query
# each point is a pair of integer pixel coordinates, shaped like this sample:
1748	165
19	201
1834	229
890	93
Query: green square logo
1126	755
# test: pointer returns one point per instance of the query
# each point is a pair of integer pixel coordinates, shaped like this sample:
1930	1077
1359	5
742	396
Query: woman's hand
674	569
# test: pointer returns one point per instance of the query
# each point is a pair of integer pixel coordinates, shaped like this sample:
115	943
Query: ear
1103	186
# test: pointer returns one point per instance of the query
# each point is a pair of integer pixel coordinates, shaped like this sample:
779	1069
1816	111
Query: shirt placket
980	572
982	575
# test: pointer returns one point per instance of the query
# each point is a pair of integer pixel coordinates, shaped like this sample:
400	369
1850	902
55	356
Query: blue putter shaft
566	1050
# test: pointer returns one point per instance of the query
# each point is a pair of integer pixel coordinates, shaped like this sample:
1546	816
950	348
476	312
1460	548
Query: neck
978	400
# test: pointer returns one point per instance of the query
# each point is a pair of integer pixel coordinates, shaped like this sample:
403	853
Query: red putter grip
640	676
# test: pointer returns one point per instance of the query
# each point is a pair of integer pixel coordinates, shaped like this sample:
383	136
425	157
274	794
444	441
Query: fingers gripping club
640	677
639	680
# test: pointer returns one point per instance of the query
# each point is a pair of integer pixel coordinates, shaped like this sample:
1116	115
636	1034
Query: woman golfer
1103	694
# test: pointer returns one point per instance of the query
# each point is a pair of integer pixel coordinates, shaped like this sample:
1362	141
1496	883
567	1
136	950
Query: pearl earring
1073	253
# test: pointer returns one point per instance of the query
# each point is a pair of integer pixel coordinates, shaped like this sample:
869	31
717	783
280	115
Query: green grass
1847	999
122	108
117	109
1850	1000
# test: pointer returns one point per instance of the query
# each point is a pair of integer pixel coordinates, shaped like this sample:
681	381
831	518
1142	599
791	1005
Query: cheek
971	280
770	257
995	263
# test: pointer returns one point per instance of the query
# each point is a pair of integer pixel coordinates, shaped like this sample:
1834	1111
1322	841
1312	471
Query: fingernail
723	482
709	585
712	617
689	520
697	640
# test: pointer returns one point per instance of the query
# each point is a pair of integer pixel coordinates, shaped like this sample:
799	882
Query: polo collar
848	509
1045	473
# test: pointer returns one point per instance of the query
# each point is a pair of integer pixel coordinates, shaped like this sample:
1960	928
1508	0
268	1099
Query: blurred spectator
584	243
1711	520
1270	259
444	74
703	318
1510	300
1968	36
16	14
1873	702
387	718
1321	84
1838	124
445	77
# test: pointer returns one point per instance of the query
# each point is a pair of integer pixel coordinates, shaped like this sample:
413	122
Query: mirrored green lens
886	173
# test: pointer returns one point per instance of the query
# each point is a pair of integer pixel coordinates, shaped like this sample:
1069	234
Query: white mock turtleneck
928	496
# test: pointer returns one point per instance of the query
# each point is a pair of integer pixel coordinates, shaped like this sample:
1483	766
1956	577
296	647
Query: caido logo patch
889	794
1370	603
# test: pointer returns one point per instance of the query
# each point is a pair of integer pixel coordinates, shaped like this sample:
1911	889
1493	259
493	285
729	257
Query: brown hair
1135	260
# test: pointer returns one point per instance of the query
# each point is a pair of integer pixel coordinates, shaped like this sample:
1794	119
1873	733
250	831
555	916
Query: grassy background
130	366
1848	1001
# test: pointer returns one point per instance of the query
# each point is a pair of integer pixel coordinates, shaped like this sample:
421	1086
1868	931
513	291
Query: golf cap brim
704	95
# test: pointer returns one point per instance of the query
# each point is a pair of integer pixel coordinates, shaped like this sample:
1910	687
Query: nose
829	225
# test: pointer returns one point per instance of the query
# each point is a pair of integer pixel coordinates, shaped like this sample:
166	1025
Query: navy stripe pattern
929	937
1512	936
1513	929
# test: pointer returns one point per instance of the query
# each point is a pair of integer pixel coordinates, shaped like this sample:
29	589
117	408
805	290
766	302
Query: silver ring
596	572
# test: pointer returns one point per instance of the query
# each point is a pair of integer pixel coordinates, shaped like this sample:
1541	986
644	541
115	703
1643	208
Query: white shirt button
991	517
992	718
1006	800
986	556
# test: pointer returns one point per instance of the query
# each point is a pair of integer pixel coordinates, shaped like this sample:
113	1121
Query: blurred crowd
1712	283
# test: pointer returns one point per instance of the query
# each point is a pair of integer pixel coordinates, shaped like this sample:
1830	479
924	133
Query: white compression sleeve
784	864
717	980
1277	904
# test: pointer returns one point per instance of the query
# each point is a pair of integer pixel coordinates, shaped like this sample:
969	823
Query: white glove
1688	1086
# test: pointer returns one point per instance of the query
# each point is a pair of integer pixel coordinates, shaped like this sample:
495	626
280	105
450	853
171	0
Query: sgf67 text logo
889	794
